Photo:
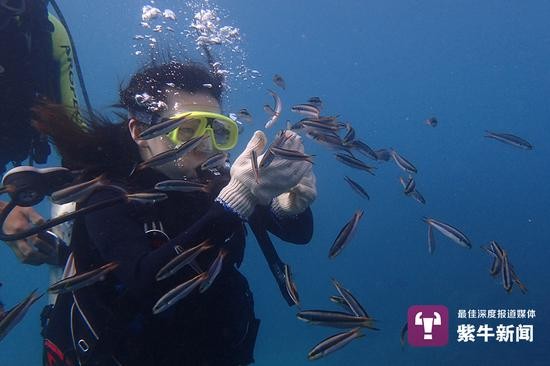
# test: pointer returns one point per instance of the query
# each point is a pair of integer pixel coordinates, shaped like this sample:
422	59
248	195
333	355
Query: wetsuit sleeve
297	229
119	237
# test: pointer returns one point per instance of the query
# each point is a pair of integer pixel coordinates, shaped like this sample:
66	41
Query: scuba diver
36	63
205	202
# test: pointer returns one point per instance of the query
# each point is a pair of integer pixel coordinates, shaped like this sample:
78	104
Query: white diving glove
298	199
243	193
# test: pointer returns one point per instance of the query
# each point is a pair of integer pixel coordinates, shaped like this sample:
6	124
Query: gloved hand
243	193
298	199
31	250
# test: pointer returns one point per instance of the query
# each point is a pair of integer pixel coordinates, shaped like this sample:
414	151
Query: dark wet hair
156	79
107	146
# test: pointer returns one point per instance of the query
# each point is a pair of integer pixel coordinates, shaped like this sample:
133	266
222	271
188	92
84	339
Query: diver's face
179	101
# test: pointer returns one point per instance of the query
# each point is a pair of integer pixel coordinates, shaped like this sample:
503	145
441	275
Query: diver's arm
120	238
296	229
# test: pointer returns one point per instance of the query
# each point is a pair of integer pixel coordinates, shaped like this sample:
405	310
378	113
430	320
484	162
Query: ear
135	128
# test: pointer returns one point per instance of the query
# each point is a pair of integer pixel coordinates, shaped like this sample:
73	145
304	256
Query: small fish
354	162
334	319
322	126
214	161
181	260
78	281
171	155
213	271
418	197
316	101
291	154
306	110
333	343
404	334
178	293
291	286
517	281
402	162
207	85
77	192
245	115
432	121
147	198
279	81
269	110
278	109
350	134
339	300
352	302
345	235
138	37
255	169
449	231
506	274
329	140
357	188
431	240
13	316
410	186
180	185
509	139
268	157
383	154
162	128
363	148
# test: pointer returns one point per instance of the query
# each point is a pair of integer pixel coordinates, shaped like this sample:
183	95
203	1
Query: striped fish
449	231
276	111
181	260
171	155
335	319
180	185
291	286
147	198
404	334
306	109
431	240
354	162
357	188
509	139
345	235
339	300
162	128
351	301
76	282
213	271
402	162
78	192
178	293
13	316
364	149
291	154
255	168
214	161
333	343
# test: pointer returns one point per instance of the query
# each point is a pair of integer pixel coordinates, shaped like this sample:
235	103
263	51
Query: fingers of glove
27	253
21	219
257	144
293	142
278	179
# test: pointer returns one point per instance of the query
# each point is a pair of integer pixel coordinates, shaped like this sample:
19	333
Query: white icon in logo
428	323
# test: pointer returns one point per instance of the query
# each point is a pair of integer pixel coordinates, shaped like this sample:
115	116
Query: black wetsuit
217	327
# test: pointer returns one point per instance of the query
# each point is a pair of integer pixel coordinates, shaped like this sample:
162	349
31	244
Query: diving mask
223	131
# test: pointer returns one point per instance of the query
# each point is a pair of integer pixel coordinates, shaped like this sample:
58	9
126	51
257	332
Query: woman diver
112	322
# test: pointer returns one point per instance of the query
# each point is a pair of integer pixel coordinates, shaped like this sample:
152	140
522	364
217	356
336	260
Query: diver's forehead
179	101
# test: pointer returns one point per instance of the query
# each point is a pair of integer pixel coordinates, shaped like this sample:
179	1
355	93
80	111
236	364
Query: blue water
384	66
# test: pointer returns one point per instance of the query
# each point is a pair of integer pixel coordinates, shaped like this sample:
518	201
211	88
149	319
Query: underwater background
385	67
